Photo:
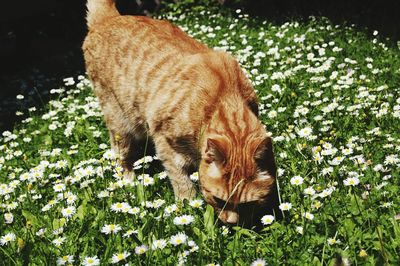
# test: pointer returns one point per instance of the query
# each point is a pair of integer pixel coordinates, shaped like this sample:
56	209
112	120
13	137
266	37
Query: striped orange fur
195	103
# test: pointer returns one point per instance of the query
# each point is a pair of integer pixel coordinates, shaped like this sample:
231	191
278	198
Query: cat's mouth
243	214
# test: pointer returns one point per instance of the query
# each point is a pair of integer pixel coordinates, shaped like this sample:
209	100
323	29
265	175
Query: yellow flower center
363	253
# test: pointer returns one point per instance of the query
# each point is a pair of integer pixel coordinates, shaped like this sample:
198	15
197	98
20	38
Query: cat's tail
100	10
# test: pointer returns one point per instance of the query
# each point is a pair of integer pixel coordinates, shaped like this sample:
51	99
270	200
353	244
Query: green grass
330	97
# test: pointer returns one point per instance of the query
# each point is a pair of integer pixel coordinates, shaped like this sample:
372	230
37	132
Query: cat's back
136	54
123	35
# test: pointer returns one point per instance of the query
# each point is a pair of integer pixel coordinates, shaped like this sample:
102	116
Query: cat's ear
216	150
262	147
264	156
253	105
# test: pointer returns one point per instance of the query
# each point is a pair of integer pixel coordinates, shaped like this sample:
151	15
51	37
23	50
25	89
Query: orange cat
195	103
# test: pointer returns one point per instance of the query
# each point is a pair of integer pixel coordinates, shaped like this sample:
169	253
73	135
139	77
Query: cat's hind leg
126	134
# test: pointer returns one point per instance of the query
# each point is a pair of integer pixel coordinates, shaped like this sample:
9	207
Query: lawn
330	96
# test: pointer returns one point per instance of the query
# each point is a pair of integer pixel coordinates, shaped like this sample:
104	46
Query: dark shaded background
40	40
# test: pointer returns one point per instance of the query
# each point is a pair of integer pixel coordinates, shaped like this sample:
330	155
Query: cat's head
238	179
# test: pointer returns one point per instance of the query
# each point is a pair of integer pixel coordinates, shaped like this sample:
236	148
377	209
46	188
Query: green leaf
140	192
349	225
356	205
316	261
246	232
57	223
32	218
99	218
81	211
48	140
209	220
197	231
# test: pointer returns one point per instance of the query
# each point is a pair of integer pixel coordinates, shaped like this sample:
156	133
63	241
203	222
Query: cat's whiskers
230	196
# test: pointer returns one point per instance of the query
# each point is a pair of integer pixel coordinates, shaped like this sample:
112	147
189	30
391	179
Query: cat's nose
232	217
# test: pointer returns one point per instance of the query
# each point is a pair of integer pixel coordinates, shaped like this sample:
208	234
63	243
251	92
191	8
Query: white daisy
178	239
147	181
65	259
68	212
194	177
170	209
59	187
258	262
267	219
299	229
58	241
7	238
285	206
134	210
141	249
333	241
120	207
130	232
296	180
305	132
159	244
117	257
351	181
183	220
111	228
309	191
308	215
91	261
196	203
8	217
